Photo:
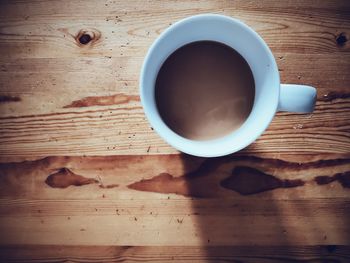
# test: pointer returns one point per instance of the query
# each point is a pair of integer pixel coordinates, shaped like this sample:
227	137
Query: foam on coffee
204	90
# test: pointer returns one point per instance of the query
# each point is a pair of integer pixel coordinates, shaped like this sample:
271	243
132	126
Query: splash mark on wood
65	177
4	99
246	181
342	178
103	100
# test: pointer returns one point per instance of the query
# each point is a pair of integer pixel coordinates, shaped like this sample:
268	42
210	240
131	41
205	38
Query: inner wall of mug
245	41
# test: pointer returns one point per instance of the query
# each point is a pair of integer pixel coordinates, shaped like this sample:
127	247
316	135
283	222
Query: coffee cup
270	95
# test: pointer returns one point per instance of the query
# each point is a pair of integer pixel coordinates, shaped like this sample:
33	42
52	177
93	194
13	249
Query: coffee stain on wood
246	181
4	99
178	174
342	178
65	177
194	183
103	100
208	180
164	183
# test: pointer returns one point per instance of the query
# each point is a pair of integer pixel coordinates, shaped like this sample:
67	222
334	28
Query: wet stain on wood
164	183
4	99
103	100
244	180
65	177
247	181
194	176
204	181
342	178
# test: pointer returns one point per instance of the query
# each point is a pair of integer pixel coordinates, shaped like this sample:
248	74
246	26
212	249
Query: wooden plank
176	222
124	130
44	69
182	175
182	200
301	28
85	77
248	254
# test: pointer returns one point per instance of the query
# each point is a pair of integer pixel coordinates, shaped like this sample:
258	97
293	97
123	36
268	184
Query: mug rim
225	150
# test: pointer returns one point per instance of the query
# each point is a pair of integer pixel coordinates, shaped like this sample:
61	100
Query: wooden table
84	177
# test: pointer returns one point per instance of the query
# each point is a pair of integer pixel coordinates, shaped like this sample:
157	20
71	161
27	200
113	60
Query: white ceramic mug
270	95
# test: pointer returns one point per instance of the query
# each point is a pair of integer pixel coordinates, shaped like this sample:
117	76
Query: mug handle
297	98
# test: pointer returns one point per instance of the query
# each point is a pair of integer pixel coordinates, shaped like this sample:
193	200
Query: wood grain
84	178
44	65
189	206
274	254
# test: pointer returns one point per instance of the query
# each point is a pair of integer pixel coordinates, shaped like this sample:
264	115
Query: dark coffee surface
204	90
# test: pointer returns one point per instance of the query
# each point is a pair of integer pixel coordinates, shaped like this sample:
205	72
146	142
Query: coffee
204	90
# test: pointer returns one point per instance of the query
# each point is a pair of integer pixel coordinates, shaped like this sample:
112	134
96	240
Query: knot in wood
341	39
84	39
87	37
